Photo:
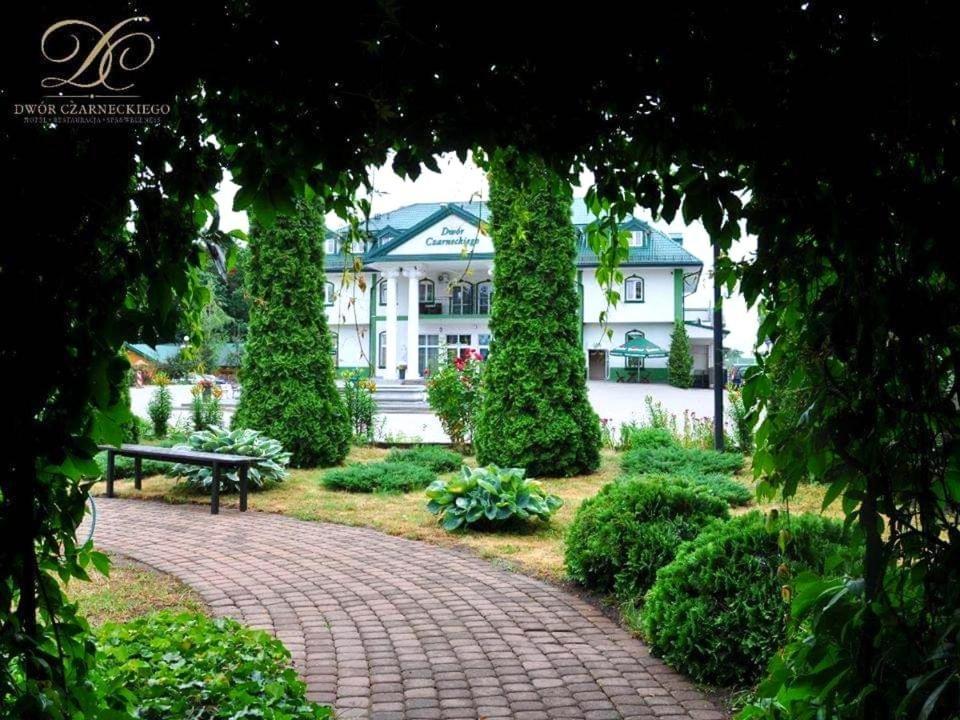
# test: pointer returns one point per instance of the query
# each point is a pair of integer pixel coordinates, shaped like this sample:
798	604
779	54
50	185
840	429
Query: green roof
390	230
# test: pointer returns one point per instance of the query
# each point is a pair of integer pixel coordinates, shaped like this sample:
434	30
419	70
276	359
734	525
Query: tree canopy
829	129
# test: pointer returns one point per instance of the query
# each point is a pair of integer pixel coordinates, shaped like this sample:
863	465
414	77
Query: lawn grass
537	549
131	591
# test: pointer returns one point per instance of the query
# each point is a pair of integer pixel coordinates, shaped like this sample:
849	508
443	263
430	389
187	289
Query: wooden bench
188	457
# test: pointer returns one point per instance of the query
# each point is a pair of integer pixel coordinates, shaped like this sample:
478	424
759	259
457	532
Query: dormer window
638	238
633	289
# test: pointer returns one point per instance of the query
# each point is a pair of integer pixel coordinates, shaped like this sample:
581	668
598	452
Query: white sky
465	181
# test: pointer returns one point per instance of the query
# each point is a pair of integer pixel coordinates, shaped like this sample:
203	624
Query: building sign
452	236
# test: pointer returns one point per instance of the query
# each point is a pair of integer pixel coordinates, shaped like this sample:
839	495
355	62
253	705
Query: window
484	297
461	299
457	346
335	347
638	238
633	289
382	293
329	294
382	350
330	246
483	344
428	293
429	353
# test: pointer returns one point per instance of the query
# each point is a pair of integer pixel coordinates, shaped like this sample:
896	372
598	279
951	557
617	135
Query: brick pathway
386	628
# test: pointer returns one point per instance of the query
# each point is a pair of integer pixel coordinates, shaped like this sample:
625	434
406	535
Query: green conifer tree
535	412
680	362
289	391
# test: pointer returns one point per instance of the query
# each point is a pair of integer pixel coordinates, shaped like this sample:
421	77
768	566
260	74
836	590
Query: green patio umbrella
639	347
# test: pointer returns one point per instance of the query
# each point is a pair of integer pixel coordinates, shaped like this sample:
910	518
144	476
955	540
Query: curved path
385	628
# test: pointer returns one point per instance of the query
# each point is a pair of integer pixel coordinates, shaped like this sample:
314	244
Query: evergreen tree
680	363
535	413
288	380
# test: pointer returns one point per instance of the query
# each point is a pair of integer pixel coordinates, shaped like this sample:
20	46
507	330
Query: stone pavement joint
383	627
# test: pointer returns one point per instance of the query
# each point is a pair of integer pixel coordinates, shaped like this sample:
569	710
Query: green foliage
205	410
630	529
489	497
379	477
360	404
289	391
633	436
168	665
719	485
716	612
454	391
743	421
160	408
535	413
435	459
131	428
680	362
269	468
679	461
178	366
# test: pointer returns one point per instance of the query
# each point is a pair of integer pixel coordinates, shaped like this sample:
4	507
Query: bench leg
137	472
243	487
110	472
215	490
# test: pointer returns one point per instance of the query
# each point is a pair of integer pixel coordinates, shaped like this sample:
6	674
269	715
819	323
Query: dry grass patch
537	549
131	591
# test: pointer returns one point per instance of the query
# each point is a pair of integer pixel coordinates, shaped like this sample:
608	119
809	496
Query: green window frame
382	350
382	293
483	296
329	294
427	291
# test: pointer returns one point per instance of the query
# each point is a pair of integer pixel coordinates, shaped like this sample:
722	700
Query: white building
424	281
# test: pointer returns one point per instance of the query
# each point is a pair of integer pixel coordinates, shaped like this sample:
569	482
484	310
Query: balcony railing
454	306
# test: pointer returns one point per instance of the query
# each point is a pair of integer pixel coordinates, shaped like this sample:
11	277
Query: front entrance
597	364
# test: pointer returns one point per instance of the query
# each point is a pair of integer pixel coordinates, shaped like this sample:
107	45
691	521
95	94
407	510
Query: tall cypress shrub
535	413
288	379
680	362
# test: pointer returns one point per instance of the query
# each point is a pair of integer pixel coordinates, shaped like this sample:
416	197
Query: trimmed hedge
437	459
621	537
288	382
716	611
677	460
379	477
167	665
534	413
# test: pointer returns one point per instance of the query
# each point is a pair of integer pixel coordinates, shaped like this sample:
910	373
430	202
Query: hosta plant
271	466
487	496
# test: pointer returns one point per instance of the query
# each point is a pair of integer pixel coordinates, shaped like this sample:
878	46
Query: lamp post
718	373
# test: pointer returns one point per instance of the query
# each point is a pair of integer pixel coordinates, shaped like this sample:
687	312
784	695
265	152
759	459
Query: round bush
433	458
631	528
379	477
722	486
632	437
716	611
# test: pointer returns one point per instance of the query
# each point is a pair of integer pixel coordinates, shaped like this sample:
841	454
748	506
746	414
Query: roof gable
450	229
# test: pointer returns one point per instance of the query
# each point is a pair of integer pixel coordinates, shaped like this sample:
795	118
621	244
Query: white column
390	372
413	321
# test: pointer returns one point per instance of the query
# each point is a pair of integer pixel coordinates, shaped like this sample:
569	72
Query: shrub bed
166	665
621	537
722	486
677	460
271	465
433	458
633	437
716	611
489	497
379	477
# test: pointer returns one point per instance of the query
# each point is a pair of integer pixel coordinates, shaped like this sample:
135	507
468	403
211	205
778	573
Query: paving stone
387	628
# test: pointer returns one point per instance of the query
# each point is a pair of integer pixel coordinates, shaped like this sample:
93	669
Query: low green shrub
271	466
716	611
168	665
123	466
633	436
379	477
488	496
434	458
680	461
631	528
722	486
